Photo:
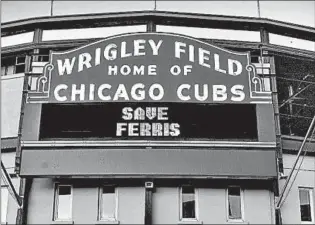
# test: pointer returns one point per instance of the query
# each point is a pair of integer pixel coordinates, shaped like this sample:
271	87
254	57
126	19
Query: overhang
159	17
103	162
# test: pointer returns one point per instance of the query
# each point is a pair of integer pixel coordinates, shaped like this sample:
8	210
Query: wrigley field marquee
149	67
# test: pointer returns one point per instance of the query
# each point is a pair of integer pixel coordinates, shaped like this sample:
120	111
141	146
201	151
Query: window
108	203
235	204
188	210
63	202
20	64
4	204
13	65
7	66
306	203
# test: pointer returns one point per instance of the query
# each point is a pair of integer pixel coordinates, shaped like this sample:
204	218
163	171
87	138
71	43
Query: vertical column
148	203
264	36
151	26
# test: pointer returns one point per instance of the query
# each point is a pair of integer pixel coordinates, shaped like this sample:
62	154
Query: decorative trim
142	143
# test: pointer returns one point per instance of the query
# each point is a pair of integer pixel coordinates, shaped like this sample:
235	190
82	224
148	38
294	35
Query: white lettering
205	92
175	70
110	52
187	69
160	94
100	92
238	91
127	113
80	92
121	93
178	48
92	89
219	93
162	113
139	45
152	70
84	60
217	64
97	56
140	95
231	64
203	56
125	70
56	92
112	70
180	92
155	47
120	128
67	66
138	70
124	53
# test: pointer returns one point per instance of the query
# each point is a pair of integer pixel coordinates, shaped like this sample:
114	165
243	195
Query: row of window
17	64
108	203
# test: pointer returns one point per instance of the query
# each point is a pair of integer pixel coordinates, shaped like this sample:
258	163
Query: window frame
56	203
5	219
22	64
99	208
311	193
242	220
181	219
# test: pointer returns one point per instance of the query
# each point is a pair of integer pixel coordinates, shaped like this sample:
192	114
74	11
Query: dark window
7	66
235	203
195	121
305	205
20	64
188	202
295	94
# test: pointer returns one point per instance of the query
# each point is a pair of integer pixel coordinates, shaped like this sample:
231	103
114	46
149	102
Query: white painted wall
11	98
305	178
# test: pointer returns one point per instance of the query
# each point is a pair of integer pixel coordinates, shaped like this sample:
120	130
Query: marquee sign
149	67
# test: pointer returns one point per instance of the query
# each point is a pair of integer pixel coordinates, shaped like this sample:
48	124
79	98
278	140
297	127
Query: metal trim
141	143
149	13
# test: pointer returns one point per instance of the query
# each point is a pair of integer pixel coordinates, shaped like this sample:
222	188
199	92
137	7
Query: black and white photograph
157	112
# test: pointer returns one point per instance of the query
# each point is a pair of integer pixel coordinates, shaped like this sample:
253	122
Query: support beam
148	203
151	26
7	179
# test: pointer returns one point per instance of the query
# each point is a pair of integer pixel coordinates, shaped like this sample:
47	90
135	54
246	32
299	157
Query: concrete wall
131	205
212	206
305	178
84	205
8	159
11	98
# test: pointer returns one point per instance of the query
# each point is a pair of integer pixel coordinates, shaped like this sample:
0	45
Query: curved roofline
162	17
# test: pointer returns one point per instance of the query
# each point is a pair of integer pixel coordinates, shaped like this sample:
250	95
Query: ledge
62	222
237	222
189	222
107	222
142	143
